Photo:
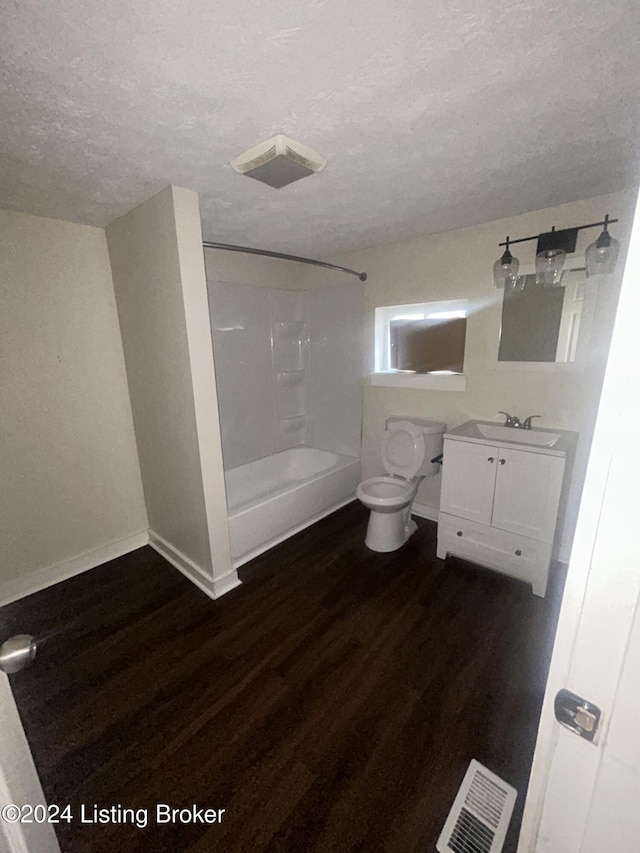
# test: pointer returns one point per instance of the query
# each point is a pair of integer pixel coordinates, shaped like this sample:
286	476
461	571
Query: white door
468	480
19	785
572	304
527	493
585	797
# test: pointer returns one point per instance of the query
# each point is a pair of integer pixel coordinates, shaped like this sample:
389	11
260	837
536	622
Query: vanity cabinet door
527	493
468	480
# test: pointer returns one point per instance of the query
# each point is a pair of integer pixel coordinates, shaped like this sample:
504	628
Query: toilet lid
403	449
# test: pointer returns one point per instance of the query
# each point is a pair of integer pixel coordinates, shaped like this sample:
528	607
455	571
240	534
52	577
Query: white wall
458	264
68	463
160	285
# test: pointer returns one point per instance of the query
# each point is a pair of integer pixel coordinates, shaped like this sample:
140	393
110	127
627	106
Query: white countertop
469	431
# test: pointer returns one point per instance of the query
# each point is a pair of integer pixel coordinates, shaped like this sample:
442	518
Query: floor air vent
480	815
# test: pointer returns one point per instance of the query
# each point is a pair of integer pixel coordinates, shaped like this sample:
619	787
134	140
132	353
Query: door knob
459	533
518	552
17	652
491	459
502	461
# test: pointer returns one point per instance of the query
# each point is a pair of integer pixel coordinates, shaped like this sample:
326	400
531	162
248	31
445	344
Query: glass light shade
602	255
514	283
549	266
505	269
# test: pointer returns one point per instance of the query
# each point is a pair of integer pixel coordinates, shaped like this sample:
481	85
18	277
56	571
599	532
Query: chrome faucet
513	421
527	421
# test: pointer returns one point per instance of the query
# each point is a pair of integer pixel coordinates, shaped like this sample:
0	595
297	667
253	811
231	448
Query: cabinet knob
459	533
491	459
518	552
502	461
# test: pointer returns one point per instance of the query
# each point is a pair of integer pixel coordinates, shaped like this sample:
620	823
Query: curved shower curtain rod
229	248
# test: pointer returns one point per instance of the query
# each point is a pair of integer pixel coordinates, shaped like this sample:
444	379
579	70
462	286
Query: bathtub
272	498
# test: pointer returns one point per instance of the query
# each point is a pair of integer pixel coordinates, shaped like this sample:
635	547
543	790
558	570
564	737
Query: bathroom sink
519	436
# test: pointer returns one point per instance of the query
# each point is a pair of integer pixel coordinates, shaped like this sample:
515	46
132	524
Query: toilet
407	449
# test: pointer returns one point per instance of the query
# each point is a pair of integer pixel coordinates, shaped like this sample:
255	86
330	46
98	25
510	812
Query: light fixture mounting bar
604	223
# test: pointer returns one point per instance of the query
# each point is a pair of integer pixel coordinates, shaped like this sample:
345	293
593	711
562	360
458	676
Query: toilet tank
433	433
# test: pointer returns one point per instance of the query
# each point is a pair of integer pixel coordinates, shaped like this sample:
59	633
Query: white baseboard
213	587
224	584
424	511
39	579
34	581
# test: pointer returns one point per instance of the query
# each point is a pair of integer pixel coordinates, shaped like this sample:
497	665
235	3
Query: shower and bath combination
289	370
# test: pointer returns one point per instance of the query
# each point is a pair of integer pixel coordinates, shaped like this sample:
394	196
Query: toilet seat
386	491
403	449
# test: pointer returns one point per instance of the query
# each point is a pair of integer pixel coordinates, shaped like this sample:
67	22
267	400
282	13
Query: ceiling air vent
480	815
279	161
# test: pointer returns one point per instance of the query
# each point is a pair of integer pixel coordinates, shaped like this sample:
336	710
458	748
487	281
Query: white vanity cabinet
499	503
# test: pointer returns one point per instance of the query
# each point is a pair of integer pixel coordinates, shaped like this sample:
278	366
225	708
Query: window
420	340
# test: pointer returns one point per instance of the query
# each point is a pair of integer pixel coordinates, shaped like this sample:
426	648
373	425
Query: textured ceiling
433	114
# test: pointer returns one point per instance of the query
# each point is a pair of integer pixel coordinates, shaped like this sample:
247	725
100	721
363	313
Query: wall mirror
545	325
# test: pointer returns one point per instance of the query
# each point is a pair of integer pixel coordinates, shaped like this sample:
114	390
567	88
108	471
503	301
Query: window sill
540	366
429	381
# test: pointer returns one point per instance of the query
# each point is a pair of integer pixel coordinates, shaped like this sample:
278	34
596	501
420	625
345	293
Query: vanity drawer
509	553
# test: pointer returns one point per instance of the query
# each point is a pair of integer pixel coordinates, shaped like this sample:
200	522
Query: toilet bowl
407	450
389	499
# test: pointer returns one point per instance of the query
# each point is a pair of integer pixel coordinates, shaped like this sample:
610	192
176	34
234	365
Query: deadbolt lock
576	714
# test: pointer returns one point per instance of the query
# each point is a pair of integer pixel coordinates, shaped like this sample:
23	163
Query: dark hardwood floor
331	703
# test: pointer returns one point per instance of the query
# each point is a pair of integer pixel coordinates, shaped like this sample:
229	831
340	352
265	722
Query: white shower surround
289	368
289	372
272	498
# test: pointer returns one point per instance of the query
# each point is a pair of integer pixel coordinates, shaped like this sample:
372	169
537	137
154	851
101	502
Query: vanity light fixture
549	264
505	269
553	247
602	255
